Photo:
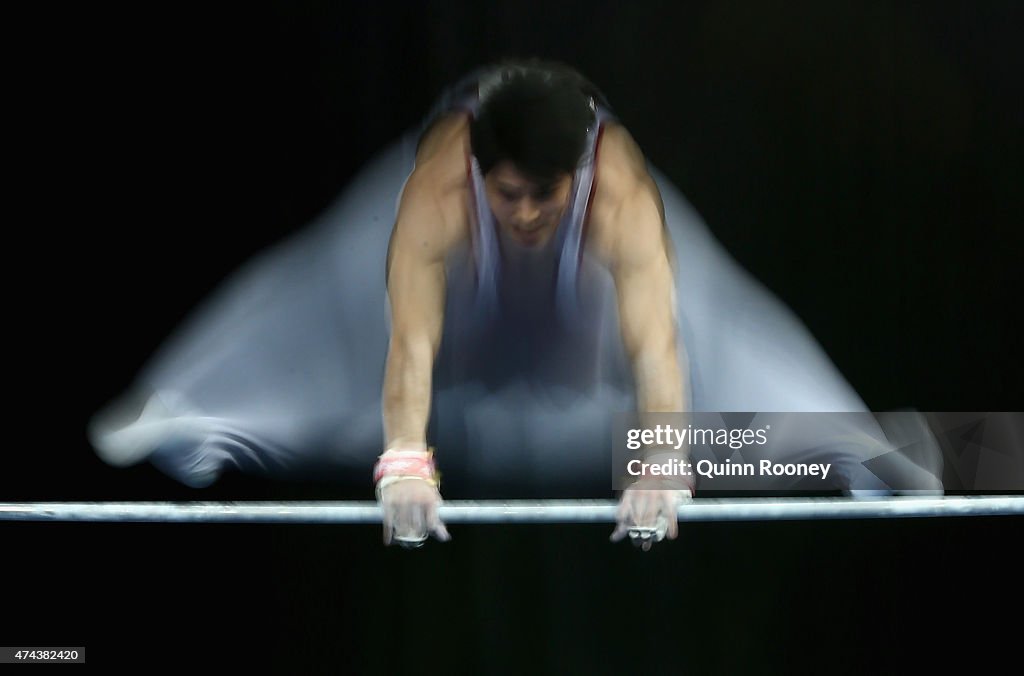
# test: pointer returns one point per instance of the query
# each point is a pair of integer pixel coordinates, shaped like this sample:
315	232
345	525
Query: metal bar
555	511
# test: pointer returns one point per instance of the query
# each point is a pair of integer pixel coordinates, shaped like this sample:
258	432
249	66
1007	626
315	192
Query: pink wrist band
407	464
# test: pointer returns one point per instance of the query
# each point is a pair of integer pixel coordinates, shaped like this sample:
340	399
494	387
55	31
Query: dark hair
535	115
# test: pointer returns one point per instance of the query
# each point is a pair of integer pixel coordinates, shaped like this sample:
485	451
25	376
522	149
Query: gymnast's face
528	211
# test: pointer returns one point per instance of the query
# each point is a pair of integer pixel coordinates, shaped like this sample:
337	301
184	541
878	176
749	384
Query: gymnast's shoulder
626	212
434	199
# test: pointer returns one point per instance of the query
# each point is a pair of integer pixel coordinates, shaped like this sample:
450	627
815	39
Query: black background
862	159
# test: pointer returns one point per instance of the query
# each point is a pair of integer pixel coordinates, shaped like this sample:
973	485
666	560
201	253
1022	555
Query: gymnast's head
529	136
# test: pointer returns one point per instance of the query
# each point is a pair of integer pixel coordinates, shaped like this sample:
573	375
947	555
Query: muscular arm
643	280
431	220
636	245
631	233
416	288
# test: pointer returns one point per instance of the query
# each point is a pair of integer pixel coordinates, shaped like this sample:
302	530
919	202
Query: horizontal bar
555	511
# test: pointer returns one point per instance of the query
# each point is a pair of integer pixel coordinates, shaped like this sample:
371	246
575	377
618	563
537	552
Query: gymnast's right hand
407	489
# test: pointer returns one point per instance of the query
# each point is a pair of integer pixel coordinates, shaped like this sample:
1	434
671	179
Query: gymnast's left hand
648	512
